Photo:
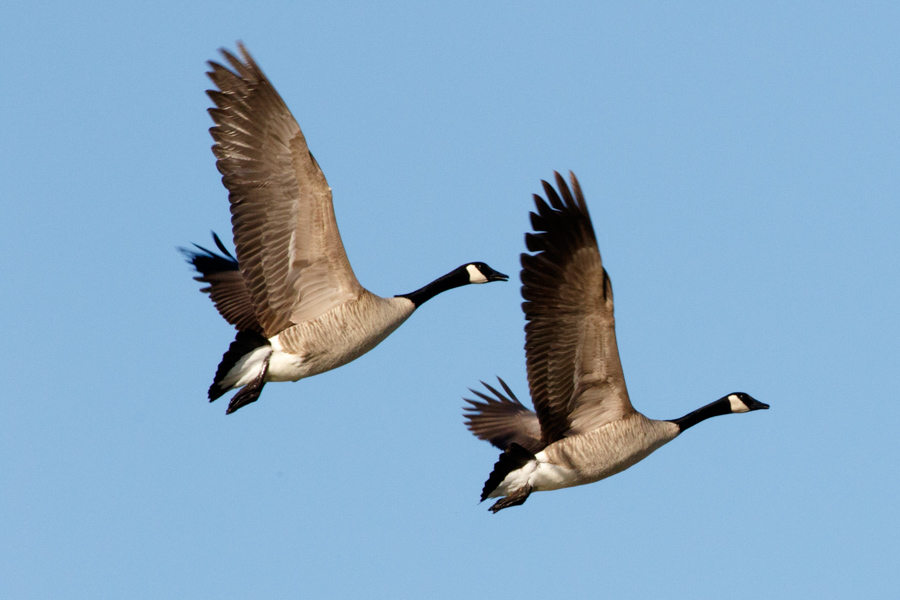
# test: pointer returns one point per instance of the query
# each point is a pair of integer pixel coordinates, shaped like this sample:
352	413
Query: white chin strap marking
475	276
736	405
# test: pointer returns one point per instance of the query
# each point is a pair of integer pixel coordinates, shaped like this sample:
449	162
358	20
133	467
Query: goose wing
285	233
572	359
226	287
502	420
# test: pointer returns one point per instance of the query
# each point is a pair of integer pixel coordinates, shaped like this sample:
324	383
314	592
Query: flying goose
584	428
291	293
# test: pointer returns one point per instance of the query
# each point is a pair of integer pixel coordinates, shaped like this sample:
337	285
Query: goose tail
510	478
244	365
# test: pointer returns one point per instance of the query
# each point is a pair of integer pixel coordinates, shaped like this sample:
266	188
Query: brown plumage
290	253
226	286
574	372
502	420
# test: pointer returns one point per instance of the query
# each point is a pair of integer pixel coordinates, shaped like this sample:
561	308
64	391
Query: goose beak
490	274
757	405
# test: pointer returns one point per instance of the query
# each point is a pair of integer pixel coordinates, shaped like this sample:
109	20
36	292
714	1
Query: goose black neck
714	409
456	278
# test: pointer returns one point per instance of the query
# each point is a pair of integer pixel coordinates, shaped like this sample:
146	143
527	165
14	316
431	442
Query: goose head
739	402
479	272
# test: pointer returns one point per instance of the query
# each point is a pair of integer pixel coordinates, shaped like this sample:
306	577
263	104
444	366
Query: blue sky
741	166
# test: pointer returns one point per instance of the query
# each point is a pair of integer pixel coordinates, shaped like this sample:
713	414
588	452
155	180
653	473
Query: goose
290	292
583	428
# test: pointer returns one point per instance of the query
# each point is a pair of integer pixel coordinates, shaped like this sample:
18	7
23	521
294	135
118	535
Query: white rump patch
283	366
737	405
247	368
515	480
475	276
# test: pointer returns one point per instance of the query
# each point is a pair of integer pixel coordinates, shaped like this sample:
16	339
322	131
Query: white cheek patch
736	405
475	276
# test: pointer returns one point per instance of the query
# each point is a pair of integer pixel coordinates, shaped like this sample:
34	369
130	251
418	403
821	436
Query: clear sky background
741	167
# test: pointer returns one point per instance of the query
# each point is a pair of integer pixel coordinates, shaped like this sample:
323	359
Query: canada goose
291	292
585	428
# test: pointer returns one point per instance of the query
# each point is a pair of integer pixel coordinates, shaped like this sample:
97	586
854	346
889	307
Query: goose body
290	292
329	341
583	428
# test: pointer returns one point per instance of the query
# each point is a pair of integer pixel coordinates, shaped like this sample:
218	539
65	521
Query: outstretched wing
502	420
226	287
285	234
572	359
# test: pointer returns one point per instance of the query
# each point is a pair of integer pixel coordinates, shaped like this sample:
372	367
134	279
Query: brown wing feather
574	371
226	287
285	234
502	420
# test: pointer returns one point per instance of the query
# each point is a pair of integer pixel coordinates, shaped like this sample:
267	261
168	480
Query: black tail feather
515	457
243	344
515	499
250	392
